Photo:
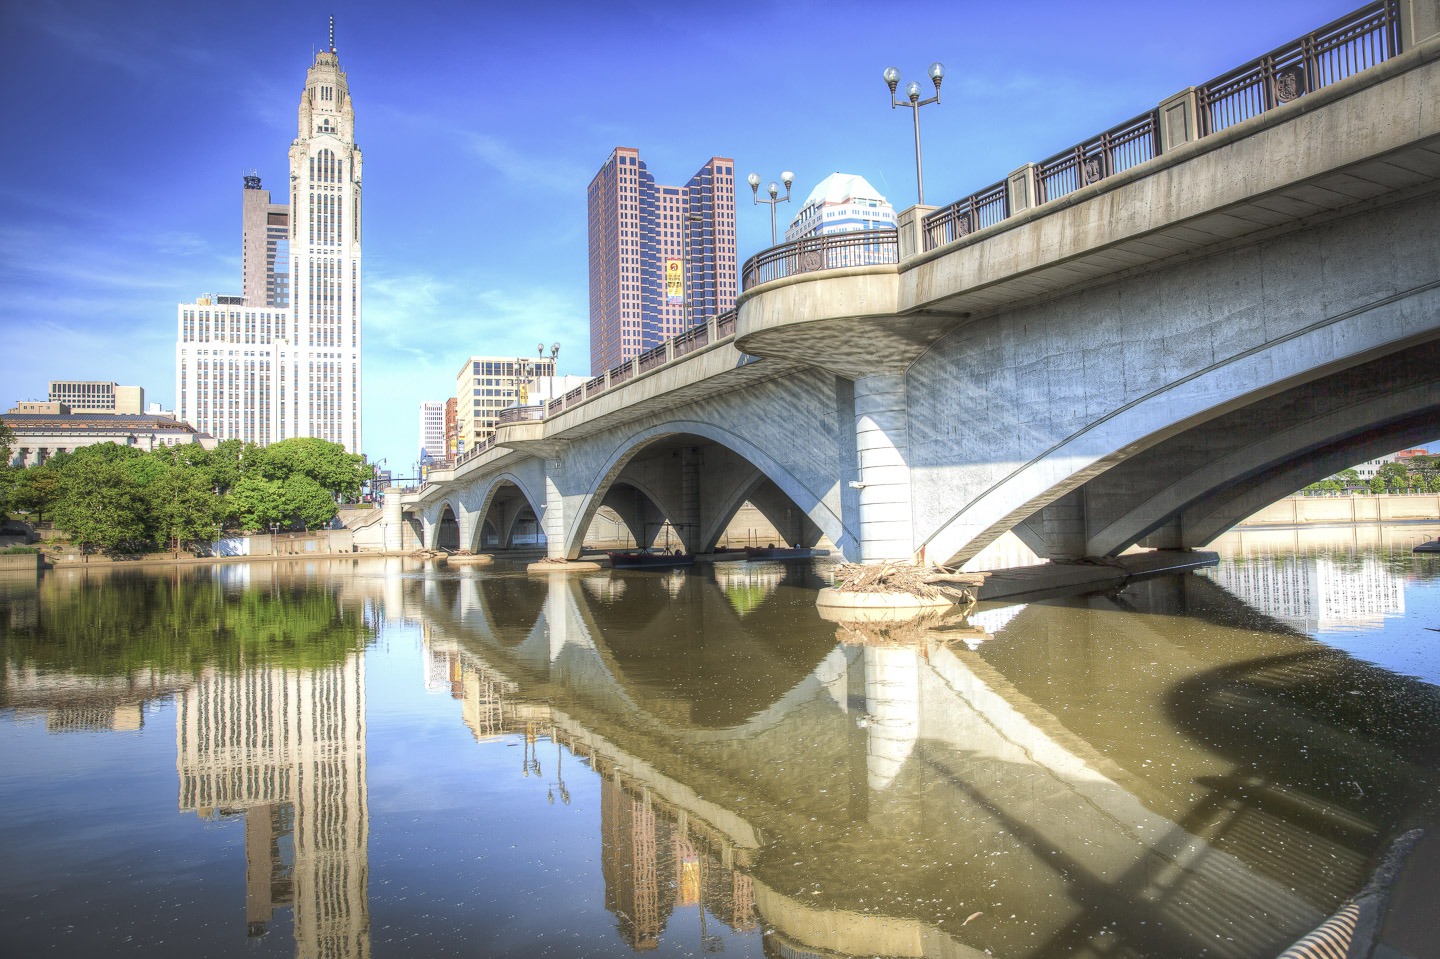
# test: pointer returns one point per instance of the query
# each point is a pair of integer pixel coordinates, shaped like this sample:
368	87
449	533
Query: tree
7	472
36	490
296	502
341	473
227	463
184	507
1393	475
102	504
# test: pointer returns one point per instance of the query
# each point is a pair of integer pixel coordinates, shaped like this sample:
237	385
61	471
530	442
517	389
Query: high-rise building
283	358
486	385
662	258
452	429
842	203
432	431
264	247
93	396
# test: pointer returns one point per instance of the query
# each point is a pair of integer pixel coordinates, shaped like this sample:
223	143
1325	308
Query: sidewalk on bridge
1059	579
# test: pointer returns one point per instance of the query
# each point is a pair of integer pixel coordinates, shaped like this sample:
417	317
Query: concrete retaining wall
19	562
1298	510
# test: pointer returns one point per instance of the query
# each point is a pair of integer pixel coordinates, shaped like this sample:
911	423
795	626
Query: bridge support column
553	522
394	520
690	498
1169	536
1064	525
882	444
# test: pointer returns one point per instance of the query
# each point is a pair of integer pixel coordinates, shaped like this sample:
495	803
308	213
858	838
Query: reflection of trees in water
182	623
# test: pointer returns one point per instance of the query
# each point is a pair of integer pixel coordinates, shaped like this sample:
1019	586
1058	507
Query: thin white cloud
532	169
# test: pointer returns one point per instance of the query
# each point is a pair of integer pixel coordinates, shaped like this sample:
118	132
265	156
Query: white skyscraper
432	431
265	373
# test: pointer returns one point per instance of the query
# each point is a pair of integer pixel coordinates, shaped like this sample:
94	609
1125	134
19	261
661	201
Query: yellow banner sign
674	280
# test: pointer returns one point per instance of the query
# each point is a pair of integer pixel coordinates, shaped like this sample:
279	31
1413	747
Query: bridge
1139	340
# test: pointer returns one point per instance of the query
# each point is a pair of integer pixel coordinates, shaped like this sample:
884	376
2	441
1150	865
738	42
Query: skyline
127	200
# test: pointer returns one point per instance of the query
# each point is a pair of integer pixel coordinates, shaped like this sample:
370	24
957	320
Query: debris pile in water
930	581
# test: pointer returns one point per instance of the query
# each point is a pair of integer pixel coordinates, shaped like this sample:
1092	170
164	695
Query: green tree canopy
102	501
335	470
296	502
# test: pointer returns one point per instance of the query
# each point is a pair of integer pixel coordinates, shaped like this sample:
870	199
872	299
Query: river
380	757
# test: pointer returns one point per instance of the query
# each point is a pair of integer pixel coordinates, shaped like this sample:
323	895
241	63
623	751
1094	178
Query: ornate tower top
325	106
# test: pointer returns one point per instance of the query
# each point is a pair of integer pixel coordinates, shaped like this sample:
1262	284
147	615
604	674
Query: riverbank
1346	509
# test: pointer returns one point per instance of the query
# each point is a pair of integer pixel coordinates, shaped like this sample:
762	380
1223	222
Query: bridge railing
830	251
1355	42
520	414
978	210
1337	50
1118	148
651	358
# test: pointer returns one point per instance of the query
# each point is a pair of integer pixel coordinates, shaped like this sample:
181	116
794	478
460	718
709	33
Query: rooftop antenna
332	33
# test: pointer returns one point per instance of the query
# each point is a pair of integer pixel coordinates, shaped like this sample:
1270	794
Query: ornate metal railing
978	210
1355	42
651	358
520	414
1117	149
691	340
1337	50
827	252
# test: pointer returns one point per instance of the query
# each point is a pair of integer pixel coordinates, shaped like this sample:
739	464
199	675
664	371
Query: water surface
378	757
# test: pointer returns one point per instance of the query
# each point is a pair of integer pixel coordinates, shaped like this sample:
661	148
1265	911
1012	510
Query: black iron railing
1337	50
1119	148
827	252
978	210
1355	42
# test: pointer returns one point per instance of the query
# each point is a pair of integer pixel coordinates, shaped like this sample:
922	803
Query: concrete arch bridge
1105	349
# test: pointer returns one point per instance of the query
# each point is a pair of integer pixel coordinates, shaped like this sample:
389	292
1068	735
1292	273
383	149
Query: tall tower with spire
320	386
282	359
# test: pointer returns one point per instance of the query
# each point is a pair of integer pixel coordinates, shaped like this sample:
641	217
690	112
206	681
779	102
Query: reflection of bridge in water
1079	773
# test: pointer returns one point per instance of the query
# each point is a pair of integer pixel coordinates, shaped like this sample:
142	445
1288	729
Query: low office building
39	436
95	396
486	385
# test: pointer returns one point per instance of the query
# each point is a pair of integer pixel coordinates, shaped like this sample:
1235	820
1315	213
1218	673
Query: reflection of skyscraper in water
1316	592
655	859
286	748
631	838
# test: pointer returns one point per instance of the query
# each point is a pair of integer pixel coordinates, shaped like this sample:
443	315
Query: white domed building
841	203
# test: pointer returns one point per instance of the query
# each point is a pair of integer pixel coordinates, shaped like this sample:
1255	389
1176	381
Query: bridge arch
1276	329
484	496
628	448
442	526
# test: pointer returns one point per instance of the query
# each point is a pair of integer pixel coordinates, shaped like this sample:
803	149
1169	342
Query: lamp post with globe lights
913	101
774	190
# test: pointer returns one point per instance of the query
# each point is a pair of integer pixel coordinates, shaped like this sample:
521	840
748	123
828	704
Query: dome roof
841	188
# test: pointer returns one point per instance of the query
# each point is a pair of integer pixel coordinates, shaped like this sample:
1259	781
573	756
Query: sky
128	128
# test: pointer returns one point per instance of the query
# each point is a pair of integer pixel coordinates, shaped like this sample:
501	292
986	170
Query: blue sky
128	128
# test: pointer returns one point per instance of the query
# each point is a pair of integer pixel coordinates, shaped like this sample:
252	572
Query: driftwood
929	582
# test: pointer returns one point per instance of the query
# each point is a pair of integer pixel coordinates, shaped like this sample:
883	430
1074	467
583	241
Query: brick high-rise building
662	258
282	359
264	247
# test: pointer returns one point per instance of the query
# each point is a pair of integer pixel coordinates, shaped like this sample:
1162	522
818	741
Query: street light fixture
774	190
913	101
687	302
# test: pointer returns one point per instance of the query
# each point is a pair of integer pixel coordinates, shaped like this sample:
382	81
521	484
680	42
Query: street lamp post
913	101
774	190
687	302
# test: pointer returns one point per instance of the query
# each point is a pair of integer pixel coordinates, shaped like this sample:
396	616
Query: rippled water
380	757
